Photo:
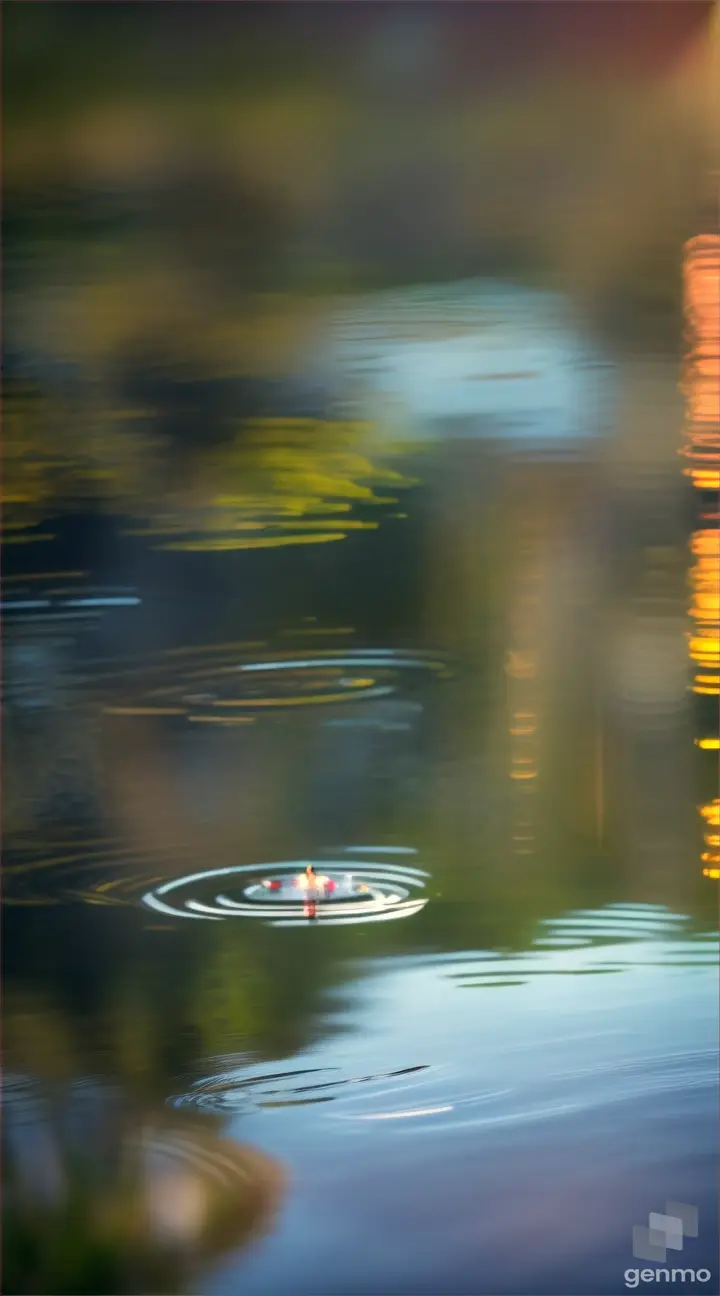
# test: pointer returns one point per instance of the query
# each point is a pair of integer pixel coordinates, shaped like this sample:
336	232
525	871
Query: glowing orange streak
701	386
703	479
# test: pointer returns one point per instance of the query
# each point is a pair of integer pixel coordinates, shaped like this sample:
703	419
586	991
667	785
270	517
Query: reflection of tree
585	186
595	794
231	997
184	411
192	464
152	292
174	230
224	234
38	1037
103	1190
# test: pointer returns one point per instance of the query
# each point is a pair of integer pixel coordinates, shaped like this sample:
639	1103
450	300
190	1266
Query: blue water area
543	1120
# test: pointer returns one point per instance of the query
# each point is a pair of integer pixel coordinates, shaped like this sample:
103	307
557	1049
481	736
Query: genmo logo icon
665	1232
662	1233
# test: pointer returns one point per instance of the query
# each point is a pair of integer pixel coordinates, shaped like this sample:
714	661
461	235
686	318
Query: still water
361	833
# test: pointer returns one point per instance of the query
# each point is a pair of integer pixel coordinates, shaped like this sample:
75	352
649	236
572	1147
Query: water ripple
224	684
344	891
235	1091
593	942
445	1097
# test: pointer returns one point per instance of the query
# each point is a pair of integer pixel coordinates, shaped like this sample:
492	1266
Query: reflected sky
487	1129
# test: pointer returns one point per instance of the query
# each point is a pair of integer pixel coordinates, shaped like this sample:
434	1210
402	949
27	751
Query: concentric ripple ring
349	891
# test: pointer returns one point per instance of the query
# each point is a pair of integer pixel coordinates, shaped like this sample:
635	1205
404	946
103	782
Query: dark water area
360	626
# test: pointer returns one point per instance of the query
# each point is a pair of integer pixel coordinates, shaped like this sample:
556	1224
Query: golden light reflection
223	544
701	445
520	665
711	813
701	376
316	699
221	720
521	671
296	481
704	480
